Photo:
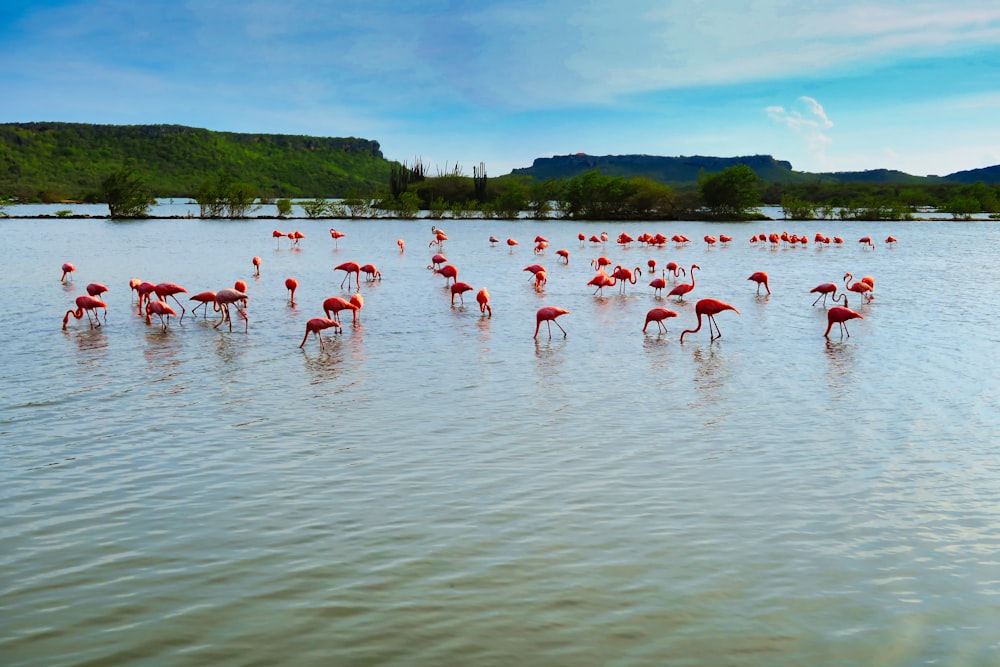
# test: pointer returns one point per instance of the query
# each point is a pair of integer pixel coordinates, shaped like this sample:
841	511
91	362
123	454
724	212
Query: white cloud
808	119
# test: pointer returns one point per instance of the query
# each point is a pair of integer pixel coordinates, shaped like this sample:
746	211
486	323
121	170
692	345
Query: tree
731	193
126	195
284	207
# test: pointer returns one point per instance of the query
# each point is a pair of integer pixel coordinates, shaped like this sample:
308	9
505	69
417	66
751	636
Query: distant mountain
684	170
56	161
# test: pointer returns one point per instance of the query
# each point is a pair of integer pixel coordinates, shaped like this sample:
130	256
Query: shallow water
436	487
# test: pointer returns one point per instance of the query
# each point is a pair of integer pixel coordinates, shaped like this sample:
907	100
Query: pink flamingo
336	236
291	284
256	265
548	314
67	270
335	304
448	271
402	245
85	304
710	308
658	315
680	290
624	276
161	310
144	290
483	298
862	287
511	243
371	273
315	325
840	315
203	299
437	261
659	284
459	289
349	268
278	235
358	302
602	280
164	290
676	270
564	254
760	278
825	289
226	297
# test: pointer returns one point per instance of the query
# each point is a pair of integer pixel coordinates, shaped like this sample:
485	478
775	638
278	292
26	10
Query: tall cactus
479	181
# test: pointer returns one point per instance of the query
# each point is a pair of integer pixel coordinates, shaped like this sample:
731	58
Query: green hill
684	170
54	161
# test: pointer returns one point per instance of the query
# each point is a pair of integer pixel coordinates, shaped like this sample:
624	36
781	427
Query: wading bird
86	304
548	314
760	278
684	288
658	315
840	315
315	325
709	308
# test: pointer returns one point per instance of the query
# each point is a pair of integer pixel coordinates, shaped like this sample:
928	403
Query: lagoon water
438	488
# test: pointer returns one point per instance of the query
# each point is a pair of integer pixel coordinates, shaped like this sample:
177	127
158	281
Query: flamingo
511	243
371	273
296	236
494	240
276	234
203	299
624	275
676	270
448	271
67	270
85	304
96	289
534	268
890	240
358	302
161	310
602	280
315	325
439	238
541	246
335	304
240	286
164	290
564	254
724	239
840	315
144	289
825	289
437	260
541	278
349	268
401	244
710	308
861	287
291	284
867	242
256	265
336	236
226	297
658	315
680	290
548	314
658	283
600	262
483	298
459	288
133	285
582	237
761	279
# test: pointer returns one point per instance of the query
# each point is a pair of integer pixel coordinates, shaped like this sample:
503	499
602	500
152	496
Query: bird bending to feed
85	304
459	288
548	314
161	310
483	298
371	273
824	290
226	297
349	268
164	290
67	270
317	324
203	299
256	265
335	304
401	244
840	315
449	272
291	284
760	278
658	315
709	308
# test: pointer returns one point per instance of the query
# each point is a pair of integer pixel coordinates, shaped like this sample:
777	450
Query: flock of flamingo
705	309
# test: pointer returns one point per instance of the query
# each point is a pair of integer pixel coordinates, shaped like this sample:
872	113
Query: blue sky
844	86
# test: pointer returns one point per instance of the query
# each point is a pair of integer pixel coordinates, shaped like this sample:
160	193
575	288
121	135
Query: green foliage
59	161
221	196
126	195
731	193
284	207
793	208
316	208
65	213
962	207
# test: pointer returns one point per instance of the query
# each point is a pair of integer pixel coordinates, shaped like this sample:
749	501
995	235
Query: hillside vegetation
58	161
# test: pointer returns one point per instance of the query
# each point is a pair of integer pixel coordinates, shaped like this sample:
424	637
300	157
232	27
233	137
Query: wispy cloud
808	119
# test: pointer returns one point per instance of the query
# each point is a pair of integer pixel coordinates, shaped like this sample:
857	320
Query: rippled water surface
438	488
